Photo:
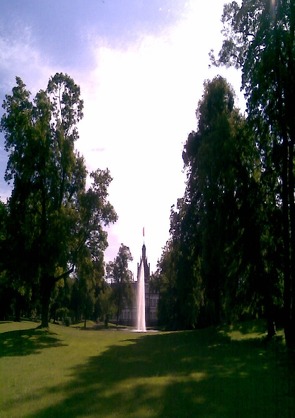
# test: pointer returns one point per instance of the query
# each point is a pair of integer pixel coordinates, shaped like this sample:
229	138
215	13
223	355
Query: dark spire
143	252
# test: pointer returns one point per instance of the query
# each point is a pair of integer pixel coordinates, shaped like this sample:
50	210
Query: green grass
69	372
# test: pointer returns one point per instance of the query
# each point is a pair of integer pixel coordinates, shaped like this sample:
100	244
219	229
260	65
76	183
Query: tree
87	284
6	290
209	155
106	304
16	296
164	282
215	248
259	39
185	257
121	278
53	218
60	301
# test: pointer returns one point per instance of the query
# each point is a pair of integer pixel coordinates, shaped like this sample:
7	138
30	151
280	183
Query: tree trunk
288	126
45	312
292	184
271	325
286	239
17	308
290	297
47	285
117	320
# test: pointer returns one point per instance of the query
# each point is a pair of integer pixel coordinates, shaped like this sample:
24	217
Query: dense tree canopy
259	39
121	277
231	251
54	221
219	263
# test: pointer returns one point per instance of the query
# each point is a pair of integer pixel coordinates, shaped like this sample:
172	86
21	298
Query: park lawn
210	373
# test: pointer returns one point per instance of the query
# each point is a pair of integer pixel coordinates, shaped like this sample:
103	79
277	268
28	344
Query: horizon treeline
231	251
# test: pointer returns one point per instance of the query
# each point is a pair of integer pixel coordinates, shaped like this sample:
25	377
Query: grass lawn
69	372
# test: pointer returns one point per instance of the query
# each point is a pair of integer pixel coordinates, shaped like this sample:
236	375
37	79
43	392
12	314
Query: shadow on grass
27	341
248	327
181	374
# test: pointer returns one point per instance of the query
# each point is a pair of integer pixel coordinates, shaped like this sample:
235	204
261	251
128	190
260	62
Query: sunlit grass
71	372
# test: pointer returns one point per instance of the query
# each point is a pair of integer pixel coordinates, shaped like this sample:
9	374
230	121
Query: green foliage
121	277
63	314
231	252
206	268
164	281
259	39
106	303
54	221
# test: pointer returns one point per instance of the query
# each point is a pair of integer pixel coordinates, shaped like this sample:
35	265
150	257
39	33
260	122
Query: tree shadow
27	341
186	374
247	327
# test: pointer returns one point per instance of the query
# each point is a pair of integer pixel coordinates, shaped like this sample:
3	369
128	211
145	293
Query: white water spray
141	325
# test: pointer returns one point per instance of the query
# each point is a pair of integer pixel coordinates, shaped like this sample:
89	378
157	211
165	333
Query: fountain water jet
141	324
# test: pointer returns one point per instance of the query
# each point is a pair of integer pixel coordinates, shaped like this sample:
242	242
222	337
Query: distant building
129	314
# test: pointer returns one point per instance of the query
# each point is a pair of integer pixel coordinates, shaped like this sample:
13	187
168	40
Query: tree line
230	254
52	236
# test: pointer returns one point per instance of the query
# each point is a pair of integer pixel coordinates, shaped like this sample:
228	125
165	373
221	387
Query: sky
141	65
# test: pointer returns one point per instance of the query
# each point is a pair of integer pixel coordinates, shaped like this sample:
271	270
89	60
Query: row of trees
52	236
231	251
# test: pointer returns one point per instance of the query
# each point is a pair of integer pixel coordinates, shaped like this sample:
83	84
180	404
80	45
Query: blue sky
141	65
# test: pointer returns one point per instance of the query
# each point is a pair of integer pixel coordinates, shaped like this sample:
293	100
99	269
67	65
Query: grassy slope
208	373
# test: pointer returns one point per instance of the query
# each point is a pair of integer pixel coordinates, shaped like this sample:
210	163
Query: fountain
140	324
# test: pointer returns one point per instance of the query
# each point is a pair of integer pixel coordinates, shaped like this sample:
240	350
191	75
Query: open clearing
70	372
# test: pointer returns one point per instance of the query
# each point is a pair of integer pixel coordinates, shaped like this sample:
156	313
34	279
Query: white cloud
18	57
139	107
140	104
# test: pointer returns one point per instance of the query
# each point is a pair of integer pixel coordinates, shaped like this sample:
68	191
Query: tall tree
215	249
215	158
259	38
121	278
52	215
106	304
164	282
